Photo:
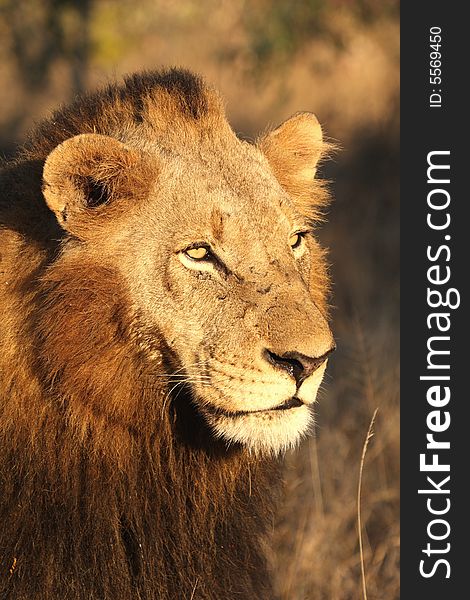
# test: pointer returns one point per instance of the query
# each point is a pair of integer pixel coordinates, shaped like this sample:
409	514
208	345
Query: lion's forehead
240	167
225	195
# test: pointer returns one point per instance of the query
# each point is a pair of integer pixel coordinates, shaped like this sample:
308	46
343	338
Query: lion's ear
87	178
293	151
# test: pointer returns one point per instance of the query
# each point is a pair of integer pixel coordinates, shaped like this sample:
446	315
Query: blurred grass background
271	58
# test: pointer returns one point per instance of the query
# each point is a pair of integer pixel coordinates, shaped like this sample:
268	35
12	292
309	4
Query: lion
163	337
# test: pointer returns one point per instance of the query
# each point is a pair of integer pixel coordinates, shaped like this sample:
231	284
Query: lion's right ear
88	178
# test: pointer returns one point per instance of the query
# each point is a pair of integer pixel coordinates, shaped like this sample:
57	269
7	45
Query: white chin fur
264	433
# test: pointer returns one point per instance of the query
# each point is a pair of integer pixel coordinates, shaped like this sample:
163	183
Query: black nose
299	366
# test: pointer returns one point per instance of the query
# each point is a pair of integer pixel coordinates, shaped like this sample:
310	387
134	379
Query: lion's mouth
293	402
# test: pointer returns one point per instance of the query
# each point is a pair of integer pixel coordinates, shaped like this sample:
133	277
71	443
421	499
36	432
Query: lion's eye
199	253
199	257
295	240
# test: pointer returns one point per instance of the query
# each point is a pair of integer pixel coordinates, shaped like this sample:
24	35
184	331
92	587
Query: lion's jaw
272	426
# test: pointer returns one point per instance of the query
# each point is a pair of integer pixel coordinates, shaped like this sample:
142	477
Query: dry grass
369	436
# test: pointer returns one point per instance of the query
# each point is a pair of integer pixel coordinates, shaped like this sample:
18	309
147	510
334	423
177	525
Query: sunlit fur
132	463
264	433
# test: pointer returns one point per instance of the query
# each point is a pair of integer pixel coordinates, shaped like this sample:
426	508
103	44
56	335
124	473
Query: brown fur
112	484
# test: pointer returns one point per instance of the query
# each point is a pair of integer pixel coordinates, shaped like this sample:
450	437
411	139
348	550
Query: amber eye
295	240
199	253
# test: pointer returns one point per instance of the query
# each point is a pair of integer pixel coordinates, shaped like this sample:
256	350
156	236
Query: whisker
175	377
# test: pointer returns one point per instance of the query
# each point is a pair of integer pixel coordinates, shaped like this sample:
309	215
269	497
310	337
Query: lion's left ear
293	151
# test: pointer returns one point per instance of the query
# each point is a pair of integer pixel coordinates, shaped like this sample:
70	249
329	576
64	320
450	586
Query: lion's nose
299	366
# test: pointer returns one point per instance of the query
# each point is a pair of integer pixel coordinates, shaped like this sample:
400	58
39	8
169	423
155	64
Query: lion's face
220	261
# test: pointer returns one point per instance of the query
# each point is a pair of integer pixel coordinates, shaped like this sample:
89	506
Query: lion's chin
270	432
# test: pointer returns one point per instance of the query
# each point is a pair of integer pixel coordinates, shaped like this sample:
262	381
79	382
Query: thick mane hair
162	106
111	487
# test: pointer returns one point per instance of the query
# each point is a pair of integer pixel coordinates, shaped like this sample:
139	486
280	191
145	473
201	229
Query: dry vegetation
271	58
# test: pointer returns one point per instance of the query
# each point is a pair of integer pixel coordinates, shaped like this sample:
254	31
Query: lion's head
213	240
